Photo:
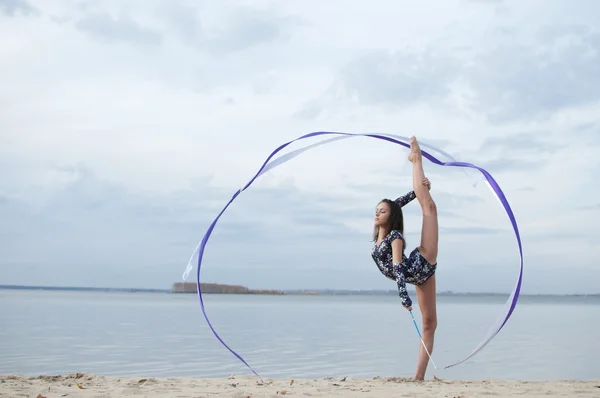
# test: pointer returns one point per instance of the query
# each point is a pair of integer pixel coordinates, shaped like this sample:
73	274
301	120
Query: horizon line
305	290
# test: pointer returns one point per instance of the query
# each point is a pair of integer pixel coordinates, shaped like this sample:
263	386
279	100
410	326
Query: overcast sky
125	126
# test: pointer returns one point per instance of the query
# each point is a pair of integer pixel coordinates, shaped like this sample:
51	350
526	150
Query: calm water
154	334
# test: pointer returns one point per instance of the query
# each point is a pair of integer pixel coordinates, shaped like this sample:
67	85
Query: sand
87	385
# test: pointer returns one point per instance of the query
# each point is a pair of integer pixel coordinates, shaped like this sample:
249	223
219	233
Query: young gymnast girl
419	267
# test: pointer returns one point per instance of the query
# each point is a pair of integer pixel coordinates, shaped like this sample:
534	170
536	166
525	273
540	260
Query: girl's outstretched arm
406	199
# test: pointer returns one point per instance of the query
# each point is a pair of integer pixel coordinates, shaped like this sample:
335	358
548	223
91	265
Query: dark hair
395	221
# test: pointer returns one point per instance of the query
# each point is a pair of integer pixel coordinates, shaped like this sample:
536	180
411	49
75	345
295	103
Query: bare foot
415	151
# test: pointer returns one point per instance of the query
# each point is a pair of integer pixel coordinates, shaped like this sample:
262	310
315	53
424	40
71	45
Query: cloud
587	134
522	142
507	79
13	7
522	151
106	27
535	80
470	230
399	78
592	207
504	164
238	28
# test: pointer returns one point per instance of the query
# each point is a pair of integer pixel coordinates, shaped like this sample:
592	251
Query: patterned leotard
414	269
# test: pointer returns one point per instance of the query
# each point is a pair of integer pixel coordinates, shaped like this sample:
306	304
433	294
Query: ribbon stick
271	163
422	342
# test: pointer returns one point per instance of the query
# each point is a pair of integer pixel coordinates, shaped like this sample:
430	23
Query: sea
159	334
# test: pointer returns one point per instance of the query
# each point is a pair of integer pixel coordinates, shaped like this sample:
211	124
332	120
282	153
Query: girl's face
382	214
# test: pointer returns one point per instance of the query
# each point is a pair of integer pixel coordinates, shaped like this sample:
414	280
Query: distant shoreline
234	289
219	288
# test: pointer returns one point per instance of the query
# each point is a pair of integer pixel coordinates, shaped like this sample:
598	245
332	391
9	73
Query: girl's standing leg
427	305
426	293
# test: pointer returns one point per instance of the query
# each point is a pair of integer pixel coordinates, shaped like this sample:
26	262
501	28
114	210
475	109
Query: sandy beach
87	385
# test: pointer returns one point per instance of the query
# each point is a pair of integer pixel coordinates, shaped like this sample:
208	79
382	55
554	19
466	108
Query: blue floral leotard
414	269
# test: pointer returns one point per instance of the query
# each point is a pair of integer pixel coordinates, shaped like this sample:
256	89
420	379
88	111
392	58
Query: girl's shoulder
395	234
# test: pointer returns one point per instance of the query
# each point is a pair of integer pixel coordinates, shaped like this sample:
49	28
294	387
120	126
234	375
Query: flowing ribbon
269	164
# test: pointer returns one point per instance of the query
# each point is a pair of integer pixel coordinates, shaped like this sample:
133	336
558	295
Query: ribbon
269	164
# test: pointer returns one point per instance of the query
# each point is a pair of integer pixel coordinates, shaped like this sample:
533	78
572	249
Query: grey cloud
439	143
241	28
556	32
442	207
121	29
444	200
12	7
443	213
520	82
371	186
469	230
295	210
587	133
185	21
399	78
509	81
458	199
248	27
264	84
518	152
238	29
523	142
91	210
509	164
525	189
310	110
587	126
555	235
590	207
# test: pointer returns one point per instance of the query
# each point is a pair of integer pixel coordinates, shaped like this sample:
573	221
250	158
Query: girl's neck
382	233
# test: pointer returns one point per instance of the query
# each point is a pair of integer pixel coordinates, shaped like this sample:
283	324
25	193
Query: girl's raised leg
429	230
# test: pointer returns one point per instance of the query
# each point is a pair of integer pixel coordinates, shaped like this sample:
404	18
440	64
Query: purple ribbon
511	302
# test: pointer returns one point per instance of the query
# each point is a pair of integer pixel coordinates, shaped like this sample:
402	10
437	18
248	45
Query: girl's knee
429	254
429	323
429	208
